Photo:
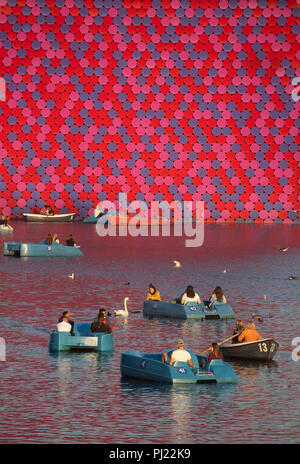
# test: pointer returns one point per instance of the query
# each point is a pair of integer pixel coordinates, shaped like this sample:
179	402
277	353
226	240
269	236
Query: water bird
122	312
71	276
177	264
256	316
291	277
283	249
224	271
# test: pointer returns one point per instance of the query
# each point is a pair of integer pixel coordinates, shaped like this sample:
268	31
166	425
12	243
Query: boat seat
180	364
215	362
83	329
193	303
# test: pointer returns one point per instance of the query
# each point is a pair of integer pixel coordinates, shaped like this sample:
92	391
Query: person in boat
190	296
249	334
237	331
104	312
179	355
215	353
49	211
153	294
49	240
217	295
3	220
101	325
63	325
67	315
70	240
55	238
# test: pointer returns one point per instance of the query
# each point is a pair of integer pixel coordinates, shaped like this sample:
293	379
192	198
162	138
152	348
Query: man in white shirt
64	325
181	354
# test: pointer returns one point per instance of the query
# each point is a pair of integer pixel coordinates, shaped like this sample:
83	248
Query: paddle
288	349
220	343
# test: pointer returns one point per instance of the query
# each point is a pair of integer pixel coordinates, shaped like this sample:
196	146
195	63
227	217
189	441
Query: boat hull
261	350
30	217
169	309
19	249
150	367
83	339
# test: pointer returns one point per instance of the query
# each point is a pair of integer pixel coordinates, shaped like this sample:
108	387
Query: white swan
122	312
71	276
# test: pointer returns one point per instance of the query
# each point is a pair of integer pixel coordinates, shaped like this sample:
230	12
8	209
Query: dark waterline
81	398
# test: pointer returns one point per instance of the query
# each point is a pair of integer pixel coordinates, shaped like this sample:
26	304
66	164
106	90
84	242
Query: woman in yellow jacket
153	294
249	334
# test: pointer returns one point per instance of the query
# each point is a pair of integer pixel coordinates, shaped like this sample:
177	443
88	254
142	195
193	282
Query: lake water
81	398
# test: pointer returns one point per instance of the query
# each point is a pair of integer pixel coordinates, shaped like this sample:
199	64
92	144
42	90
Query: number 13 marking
263	347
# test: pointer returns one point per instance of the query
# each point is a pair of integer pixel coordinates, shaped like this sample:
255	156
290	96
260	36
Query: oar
220	343
288	349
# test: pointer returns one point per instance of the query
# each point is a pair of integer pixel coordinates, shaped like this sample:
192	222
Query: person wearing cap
63	325
67	315
153	294
180	355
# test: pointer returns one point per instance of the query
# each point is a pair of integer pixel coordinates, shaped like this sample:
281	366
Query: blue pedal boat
83	339
150	367
20	249
173	310
95	219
